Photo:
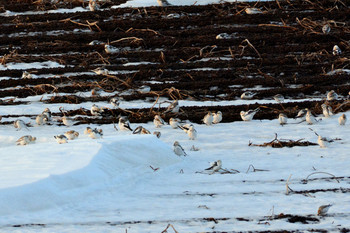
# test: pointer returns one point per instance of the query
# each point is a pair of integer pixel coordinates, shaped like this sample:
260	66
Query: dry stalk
256	170
288	189
252	46
133	40
306	179
166	229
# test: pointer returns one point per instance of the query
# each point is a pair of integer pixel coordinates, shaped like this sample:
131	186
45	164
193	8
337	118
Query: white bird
87	130
67	121
248	115
247	95
336	50
327	110
144	89
163	3
310	119
96	133
208	119
157	133
217	117
61	139
282	118
190	130
326	28
41	119
115	102
124	124
174	122
323	209
342	119
71	134
192	133
141	130
215	166
322	141
178	149
100	71
251	11
111	49
96	110
173	107
19	124
158	121
25	140
223	36
93	6
26	75
332	95
302	114
279	98
48	113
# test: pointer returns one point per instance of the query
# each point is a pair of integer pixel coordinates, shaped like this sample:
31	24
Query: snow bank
118	159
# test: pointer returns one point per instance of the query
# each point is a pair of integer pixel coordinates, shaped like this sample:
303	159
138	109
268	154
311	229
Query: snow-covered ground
108	185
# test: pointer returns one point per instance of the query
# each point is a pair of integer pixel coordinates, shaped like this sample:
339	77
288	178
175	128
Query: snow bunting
251	11
96	133
223	36
111	49
247	95
208	119
41	119
323	141
173	107
336	50
26	75
158	121
25	140
19	124
115	102
141	130
279	98
217	117
326	28
309	117
326	110
174	122
332	95
323	209
93	6
157	133
71	134
144	89
87	130
61	139
178	149
96	110
302	114
124	124
67	121
100	71
215	166
342	119
48	113
163	3
248	115
190	130
282	118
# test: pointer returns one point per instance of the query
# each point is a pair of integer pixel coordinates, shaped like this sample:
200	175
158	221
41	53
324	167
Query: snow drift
119	158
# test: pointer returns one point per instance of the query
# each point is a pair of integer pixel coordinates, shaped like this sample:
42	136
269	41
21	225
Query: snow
82	185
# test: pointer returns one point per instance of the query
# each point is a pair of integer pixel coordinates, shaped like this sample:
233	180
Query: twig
169	225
